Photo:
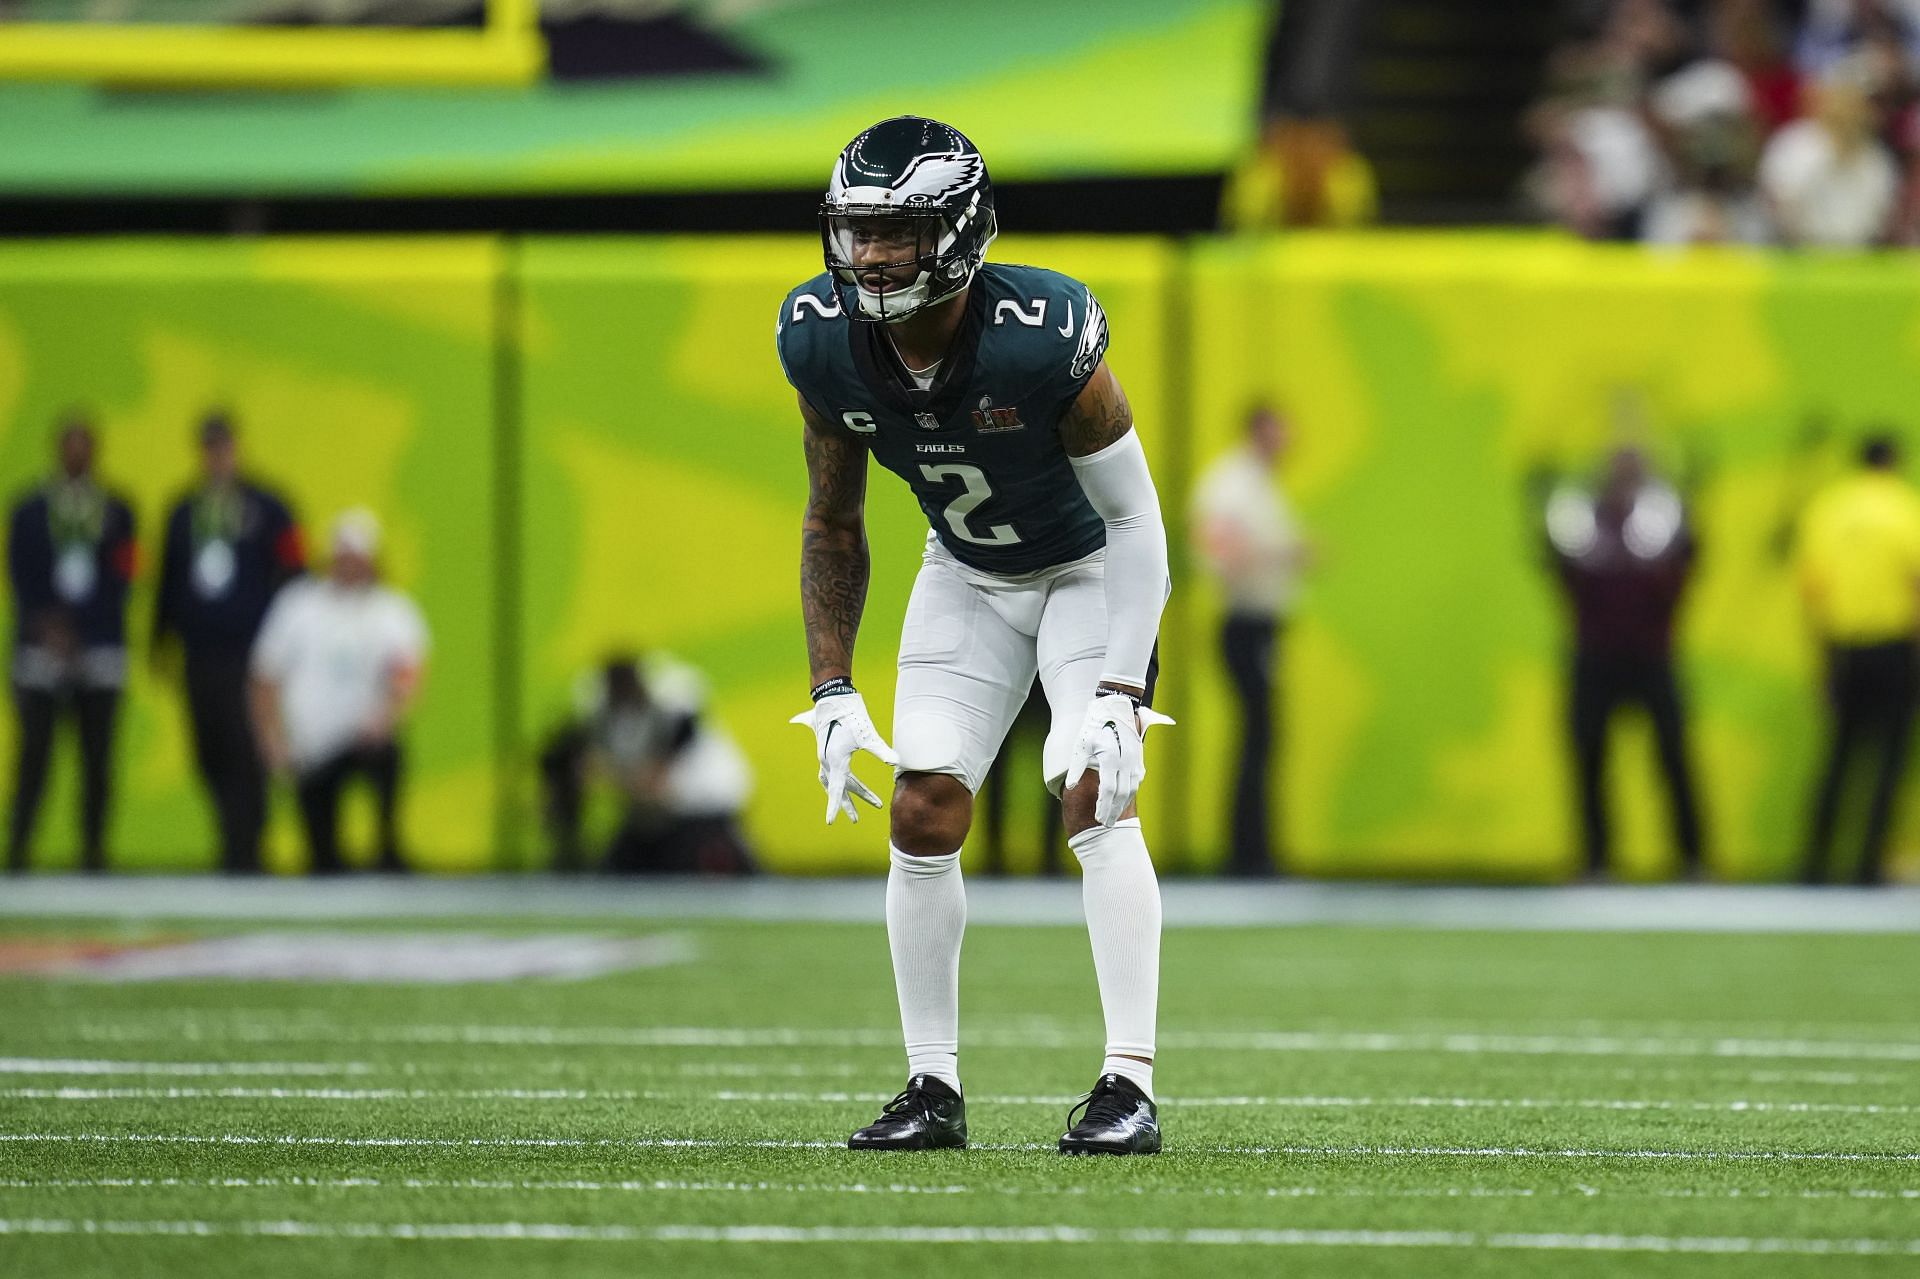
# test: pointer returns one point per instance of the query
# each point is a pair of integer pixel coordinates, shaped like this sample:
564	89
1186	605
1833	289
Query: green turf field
1336	1101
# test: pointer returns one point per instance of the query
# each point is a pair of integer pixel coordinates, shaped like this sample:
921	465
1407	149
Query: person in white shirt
1246	535
1828	178
334	673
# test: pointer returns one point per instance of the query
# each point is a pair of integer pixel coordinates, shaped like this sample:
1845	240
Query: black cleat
1119	1120
927	1116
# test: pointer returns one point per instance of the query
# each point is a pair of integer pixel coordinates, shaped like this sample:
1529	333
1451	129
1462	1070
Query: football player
984	387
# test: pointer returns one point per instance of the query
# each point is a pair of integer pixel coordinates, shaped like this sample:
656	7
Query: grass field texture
1351	1101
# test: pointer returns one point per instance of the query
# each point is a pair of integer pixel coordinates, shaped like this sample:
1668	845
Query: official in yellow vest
1858	565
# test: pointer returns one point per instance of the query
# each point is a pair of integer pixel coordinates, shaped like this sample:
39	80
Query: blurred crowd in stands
1735	122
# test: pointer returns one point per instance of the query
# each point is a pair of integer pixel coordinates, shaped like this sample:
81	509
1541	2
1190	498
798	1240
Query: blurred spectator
335	671
1705	120
1828	178
1601	162
230	545
1859	571
1655	112
1624	557
70	560
1751	35
1834	31
1247	537
680	779
1906	226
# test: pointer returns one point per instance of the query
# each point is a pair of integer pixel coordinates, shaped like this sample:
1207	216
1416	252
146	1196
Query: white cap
1697	93
356	532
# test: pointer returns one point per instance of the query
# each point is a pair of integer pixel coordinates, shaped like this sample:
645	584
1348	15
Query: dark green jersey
981	447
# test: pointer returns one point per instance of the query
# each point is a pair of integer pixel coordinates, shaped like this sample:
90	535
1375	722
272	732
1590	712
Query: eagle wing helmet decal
935	177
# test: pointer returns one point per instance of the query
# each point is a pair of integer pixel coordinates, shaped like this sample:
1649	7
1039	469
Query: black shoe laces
1101	1106
911	1101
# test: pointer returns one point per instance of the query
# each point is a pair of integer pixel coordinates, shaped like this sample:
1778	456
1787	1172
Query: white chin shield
896	303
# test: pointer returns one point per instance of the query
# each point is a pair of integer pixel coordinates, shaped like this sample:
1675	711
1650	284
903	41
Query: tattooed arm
833	546
1112	468
1100	415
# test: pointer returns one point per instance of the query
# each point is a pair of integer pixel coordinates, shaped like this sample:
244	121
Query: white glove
841	726
1109	743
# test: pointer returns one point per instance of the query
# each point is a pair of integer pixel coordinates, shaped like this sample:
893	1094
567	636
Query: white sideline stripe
903	1188
798	1070
98	1066
557	1232
719	1143
840	1098
1692	908
1037	1038
786	1069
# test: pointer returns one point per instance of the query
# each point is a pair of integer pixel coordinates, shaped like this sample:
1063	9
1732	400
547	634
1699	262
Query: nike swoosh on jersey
1066	330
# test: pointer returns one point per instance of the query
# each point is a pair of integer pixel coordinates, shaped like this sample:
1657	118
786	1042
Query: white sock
1140	1072
1122	900
926	916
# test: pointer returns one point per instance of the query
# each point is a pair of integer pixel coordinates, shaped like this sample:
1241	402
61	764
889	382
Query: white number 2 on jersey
977	491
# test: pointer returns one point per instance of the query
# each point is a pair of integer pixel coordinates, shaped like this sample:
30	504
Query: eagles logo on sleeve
1093	339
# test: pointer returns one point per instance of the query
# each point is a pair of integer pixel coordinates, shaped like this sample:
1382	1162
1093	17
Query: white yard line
668	1186
1298	1041
1689	908
208	1017
715	1143
88	1066
98	1066
558	1232
1821	1078
295	1139
335	1094
1740	1106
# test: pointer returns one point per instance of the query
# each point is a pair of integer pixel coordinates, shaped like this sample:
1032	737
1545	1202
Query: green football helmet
916	191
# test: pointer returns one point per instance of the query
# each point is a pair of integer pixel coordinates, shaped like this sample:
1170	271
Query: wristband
1108	690
832	687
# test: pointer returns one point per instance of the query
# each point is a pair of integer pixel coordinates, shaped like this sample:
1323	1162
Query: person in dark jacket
70	560
1624	557
230	546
